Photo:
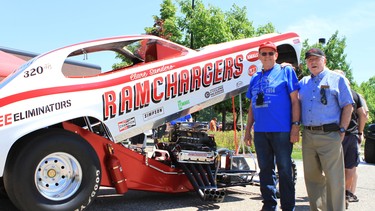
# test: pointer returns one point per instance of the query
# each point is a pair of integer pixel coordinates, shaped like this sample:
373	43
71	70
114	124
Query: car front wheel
54	170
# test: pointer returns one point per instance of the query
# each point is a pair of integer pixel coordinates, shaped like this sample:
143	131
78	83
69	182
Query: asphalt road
238	198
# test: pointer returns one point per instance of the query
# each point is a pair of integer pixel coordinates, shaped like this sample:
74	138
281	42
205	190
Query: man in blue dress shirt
326	105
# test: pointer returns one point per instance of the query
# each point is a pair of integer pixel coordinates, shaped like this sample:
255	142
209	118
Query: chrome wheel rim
58	176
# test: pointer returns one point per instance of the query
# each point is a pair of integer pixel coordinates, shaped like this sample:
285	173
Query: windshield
116	56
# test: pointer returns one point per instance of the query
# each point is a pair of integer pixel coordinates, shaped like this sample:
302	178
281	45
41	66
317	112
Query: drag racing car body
62	131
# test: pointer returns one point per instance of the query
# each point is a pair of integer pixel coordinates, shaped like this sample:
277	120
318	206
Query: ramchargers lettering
132	98
10	118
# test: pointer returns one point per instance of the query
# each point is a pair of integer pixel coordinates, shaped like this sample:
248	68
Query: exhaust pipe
203	182
192	180
214	195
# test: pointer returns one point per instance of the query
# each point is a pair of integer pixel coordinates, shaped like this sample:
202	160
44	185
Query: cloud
359	19
350	21
313	28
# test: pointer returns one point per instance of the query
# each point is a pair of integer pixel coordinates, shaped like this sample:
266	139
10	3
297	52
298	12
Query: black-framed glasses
269	53
323	97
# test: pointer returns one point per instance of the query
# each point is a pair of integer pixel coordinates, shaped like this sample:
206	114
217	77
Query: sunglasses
323	97
269	53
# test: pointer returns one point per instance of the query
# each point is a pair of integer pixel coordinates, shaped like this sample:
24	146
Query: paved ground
365	190
238	198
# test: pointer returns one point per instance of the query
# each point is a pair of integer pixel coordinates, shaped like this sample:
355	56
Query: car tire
3	193
54	170
370	150
294	174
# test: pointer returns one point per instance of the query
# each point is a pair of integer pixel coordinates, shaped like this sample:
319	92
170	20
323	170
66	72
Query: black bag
331	127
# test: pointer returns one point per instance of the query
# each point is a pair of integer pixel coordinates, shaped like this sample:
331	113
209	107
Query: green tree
199	26
367	89
336	59
334	50
165	25
210	26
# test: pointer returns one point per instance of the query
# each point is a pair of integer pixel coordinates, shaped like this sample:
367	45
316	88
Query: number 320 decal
33	72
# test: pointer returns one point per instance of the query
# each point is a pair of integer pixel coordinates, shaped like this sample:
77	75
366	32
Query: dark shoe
351	197
346	203
346	199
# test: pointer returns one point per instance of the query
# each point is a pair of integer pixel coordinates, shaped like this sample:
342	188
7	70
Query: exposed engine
195	153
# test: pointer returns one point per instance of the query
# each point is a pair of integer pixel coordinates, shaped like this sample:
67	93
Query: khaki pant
324	170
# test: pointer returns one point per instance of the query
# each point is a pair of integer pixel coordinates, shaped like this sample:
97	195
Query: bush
226	140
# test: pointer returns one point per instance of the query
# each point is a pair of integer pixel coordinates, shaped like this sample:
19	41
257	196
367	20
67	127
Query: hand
294	134
248	139
360	138
284	64
342	136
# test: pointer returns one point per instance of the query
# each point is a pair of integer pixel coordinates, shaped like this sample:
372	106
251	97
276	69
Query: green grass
297	151
226	140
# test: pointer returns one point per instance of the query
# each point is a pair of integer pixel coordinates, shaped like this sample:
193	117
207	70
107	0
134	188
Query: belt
314	127
326	128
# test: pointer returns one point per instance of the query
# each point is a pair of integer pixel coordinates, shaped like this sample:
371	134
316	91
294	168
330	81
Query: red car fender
139	174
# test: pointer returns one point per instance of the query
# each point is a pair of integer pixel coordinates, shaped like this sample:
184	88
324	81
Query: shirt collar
321	75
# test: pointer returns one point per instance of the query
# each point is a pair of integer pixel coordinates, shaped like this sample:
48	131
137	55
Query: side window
89	64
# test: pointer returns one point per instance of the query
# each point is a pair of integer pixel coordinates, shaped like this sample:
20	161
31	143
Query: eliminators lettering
10	118
158	89
41	110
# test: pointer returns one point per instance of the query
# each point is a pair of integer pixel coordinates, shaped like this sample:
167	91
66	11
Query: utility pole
322	41
191	32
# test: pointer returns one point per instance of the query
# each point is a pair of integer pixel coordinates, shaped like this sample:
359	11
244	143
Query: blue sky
42	25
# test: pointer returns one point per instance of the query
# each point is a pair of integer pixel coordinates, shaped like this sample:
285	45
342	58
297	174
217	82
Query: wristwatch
342	130
296	123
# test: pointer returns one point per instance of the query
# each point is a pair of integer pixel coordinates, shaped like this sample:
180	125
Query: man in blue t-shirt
274	113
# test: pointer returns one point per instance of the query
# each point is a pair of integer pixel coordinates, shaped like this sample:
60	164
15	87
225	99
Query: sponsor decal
296	41
252	56
9	118
165	88
239	84
126	124
93	193
153	113
216	91
137	76
207	94
252	70
162	69
182	104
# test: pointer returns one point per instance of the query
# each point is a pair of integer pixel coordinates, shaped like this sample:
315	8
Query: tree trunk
223	119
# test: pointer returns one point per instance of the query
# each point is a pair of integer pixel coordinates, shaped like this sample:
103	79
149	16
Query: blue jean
271	147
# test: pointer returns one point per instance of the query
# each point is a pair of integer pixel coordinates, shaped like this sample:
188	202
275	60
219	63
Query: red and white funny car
62	131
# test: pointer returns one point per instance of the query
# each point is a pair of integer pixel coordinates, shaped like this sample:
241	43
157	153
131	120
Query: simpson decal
153	113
